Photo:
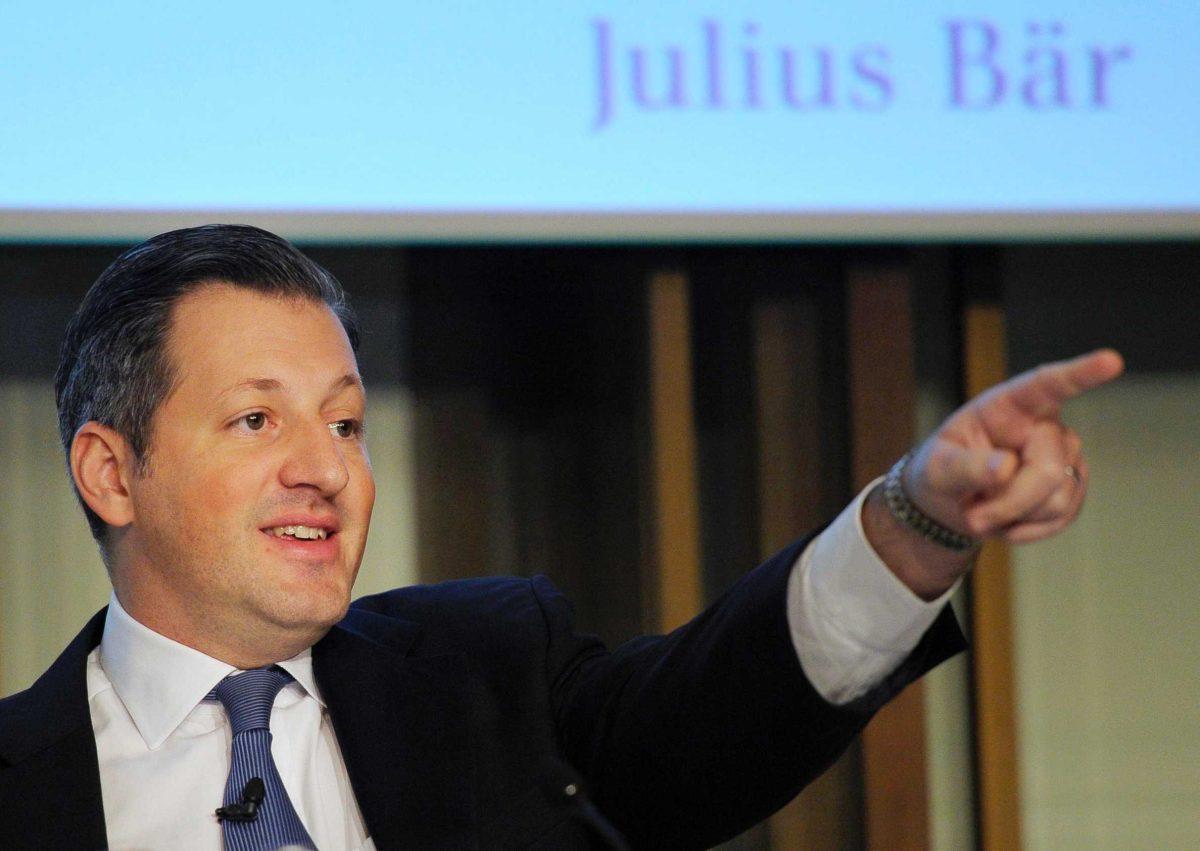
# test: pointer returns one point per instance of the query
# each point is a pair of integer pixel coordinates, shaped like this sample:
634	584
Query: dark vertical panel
771	418
529	373
40	287
793	436
728	284
723	293
373	278
1065	299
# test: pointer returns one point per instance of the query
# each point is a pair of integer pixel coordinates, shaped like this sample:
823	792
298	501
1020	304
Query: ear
102	464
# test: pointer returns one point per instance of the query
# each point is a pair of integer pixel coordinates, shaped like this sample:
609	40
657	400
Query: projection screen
606	120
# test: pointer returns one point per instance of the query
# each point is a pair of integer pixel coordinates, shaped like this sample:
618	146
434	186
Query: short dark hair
114	368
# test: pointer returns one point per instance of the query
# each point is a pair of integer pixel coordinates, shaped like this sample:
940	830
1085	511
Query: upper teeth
311	533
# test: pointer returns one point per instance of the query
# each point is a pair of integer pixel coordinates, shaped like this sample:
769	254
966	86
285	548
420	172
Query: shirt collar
161	681
300	667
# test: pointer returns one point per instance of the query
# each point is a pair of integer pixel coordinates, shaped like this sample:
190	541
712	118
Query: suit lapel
404	727
48	756
403	724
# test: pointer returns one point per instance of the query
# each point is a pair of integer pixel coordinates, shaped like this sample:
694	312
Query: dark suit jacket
449	700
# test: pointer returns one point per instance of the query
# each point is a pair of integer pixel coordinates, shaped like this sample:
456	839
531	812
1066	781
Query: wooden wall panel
992	625
787	361
678	593
882	412
452	486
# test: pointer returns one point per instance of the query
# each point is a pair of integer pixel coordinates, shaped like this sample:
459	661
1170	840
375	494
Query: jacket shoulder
55	705
503	596
490	612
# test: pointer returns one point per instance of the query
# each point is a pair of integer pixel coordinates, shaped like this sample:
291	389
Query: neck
236	641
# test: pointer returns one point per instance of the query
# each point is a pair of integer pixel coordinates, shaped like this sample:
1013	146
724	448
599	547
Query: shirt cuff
852	620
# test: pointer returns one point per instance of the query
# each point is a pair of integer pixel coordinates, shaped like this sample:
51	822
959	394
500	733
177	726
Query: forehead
222	332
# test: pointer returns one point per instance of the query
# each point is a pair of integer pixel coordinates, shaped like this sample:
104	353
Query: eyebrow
274	385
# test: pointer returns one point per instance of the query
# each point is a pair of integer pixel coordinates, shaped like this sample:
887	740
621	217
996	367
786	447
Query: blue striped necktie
247	698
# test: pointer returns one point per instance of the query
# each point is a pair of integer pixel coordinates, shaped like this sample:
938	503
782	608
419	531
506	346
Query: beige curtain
1108	638
51	577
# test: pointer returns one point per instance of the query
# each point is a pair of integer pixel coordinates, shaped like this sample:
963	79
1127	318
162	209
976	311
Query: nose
313	459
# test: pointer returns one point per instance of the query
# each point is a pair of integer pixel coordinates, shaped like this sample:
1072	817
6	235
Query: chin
316	609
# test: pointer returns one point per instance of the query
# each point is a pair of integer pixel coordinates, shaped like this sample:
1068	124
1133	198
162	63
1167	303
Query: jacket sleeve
688	739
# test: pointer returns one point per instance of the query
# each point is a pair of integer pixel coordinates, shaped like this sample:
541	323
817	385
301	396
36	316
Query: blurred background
648	292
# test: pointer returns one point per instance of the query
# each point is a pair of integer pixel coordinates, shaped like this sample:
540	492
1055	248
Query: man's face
252	515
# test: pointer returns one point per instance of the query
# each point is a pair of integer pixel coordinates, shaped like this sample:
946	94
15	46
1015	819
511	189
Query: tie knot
248	697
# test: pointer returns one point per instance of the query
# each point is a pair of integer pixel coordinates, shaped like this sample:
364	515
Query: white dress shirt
164	751
852	620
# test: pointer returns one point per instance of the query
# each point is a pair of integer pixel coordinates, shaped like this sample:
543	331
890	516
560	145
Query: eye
346	429
254	421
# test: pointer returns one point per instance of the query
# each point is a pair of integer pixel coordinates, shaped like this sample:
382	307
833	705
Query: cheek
219	495
170	529
362	484
368	493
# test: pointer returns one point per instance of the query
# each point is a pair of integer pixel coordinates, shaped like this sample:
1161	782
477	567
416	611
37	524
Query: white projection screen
776	119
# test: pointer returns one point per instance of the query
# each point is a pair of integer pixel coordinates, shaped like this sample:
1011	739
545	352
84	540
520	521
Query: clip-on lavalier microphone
247	810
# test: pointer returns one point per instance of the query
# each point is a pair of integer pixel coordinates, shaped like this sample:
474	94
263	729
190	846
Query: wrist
904	509
928	569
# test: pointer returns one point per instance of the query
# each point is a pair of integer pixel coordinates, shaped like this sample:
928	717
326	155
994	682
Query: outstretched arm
689	737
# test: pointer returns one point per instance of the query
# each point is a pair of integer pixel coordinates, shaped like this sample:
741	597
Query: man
212	413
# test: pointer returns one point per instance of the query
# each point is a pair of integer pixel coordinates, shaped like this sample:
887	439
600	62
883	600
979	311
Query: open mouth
300	532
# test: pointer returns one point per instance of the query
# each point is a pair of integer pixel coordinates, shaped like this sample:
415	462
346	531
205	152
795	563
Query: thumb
957	471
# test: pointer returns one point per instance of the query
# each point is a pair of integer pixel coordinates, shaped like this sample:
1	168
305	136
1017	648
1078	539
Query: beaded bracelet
904	510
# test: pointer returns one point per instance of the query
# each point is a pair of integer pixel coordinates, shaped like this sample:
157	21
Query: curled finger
1036	480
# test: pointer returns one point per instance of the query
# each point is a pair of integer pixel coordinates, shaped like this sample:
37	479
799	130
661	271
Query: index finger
1042	390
